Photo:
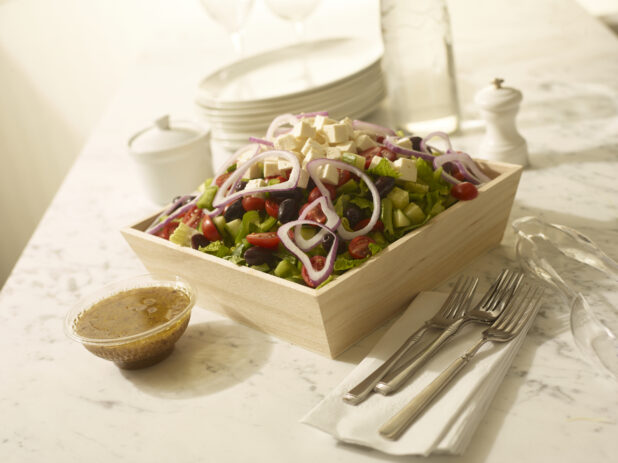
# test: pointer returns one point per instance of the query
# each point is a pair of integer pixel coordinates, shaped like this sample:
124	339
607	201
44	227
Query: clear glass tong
585	277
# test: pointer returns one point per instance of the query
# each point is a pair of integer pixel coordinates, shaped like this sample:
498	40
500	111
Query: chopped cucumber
354	159
400	220
233	227
414	213
205	200
219	222
399	197
285	269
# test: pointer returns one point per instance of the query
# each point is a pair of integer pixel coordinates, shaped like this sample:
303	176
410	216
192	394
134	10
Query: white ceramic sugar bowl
172	157
502	141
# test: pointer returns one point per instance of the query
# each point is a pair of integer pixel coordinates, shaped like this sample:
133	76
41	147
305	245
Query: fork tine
448	303
523	306
494	287
460	295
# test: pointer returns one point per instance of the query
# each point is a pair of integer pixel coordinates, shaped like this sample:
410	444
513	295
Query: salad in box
317	197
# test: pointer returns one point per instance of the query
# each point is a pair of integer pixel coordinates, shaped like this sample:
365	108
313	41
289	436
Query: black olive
257	256
327	242
288	210
384	185
199	241
416	143
353	213
234	211
241	185
295	193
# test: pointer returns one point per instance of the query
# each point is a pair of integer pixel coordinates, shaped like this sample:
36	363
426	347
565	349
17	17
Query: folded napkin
448	424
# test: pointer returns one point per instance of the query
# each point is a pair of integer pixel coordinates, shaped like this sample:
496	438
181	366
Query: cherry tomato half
317	262
222	178
209	229
315	213
272	208
253	203
168	229
268	240
379	226
464	191
192	217
359	247
316	193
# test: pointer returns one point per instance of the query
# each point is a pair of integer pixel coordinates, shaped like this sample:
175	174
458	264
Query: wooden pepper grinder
502	141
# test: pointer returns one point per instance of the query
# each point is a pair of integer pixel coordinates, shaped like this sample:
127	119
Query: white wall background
61	61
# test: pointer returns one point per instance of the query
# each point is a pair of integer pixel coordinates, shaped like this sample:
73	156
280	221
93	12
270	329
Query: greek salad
317	197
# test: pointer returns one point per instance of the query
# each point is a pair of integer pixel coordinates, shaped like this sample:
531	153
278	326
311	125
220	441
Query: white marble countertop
229	393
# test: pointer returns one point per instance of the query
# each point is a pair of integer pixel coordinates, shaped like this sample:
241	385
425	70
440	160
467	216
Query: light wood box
330	319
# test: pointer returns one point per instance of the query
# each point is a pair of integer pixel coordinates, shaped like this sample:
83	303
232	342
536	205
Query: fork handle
397	424
401	376
360	392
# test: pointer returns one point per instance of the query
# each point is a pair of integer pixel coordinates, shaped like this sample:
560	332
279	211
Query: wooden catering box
330	319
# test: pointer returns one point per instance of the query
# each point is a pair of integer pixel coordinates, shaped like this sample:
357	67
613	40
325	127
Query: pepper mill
502	141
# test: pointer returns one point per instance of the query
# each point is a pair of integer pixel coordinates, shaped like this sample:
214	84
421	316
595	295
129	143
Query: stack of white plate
341	76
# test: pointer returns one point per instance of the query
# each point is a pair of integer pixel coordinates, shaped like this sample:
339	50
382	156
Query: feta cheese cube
357	133
332	152
406	169
404	142
303	129
255	171
271	167
311	155
364	142
320	121
329	174
312	145
287	142
376	160
244	157
348	147
303	178
349	125
255	183
285	164
336	133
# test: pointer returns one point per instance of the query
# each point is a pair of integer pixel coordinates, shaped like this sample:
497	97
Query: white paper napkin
449	424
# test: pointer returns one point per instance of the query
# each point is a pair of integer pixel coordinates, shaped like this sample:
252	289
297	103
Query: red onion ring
470	168
157	228
388	142
332	222
261	141
464	163
222	199
315	276
278	122
370	127
442	135
172	207
312	167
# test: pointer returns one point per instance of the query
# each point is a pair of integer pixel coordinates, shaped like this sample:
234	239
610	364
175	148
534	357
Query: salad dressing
131	312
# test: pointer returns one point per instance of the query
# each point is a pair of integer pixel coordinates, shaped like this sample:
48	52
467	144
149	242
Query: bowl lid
164	135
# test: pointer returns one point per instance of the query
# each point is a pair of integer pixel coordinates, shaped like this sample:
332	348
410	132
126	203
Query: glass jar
418	65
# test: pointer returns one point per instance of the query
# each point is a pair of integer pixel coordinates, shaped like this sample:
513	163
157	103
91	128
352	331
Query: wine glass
296	11
232	15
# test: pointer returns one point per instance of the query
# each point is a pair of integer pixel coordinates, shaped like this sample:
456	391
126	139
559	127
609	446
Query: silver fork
522	308
454	307
486	311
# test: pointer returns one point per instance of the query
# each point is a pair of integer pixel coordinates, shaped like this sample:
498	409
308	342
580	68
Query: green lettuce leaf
216	248
182	235
384	168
